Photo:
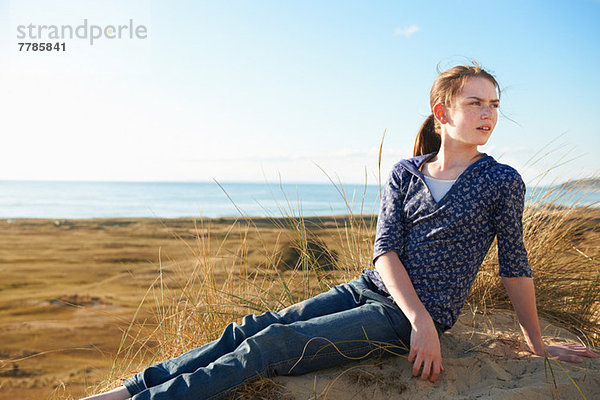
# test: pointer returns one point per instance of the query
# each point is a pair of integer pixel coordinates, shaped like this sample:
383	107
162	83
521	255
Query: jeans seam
317	356
279	363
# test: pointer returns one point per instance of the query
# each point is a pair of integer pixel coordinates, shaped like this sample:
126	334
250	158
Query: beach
70	288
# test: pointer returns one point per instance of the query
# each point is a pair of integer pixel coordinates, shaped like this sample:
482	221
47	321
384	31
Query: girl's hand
571	352
425	350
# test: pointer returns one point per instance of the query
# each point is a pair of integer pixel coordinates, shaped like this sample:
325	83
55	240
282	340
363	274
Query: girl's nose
486	112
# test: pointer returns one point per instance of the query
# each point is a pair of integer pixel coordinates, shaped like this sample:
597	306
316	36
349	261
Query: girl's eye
495	105
475	103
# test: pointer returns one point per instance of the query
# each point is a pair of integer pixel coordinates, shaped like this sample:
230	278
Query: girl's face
473	114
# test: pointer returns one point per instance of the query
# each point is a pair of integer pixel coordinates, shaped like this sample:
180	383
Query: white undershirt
438	187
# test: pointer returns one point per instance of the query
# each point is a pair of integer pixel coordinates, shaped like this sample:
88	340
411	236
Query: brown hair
445	88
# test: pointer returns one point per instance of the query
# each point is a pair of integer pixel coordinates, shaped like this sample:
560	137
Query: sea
75	200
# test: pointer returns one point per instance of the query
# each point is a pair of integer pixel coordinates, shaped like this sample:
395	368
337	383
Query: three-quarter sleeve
508	221
390	233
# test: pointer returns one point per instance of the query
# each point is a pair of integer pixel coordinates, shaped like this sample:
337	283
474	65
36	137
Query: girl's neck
449	163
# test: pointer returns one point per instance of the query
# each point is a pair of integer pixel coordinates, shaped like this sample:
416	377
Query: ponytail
427	141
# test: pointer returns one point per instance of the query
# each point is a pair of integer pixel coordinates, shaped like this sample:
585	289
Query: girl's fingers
426	370
435	371
411	355
575	348
417	366
582	350
585	353
591	354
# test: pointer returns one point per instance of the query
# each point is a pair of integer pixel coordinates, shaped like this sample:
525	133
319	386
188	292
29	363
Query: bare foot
120	393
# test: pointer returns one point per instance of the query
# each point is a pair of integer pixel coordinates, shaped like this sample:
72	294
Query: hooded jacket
442	244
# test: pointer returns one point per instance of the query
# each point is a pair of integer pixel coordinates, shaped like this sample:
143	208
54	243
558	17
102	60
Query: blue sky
255	90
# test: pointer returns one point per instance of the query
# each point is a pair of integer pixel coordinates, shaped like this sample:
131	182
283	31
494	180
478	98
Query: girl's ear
439	113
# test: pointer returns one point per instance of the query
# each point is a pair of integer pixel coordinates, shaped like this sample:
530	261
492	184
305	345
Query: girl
440	212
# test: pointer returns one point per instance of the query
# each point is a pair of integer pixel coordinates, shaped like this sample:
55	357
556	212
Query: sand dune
484	358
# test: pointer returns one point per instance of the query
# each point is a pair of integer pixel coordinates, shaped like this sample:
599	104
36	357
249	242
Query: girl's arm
522	296
424	341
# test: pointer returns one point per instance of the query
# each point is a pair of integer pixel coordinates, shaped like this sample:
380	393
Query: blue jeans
296	340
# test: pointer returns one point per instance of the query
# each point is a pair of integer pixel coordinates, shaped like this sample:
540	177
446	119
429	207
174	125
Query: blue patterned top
442	244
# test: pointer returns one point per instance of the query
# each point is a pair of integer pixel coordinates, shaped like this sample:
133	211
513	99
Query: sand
484	358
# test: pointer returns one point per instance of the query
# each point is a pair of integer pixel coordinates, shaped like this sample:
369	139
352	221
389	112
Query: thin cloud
295	156
407	32
345	153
